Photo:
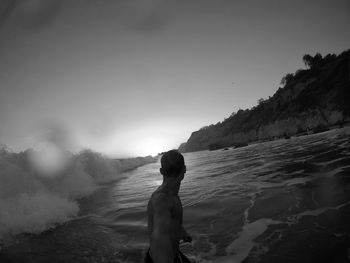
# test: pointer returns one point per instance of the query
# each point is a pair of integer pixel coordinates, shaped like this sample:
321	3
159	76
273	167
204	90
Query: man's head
173	164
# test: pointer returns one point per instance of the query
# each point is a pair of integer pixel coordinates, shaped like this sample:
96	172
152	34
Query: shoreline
296	135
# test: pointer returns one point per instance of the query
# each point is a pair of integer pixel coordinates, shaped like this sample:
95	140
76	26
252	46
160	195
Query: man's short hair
172	162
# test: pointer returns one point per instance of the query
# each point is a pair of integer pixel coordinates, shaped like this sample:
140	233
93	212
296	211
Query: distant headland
311	100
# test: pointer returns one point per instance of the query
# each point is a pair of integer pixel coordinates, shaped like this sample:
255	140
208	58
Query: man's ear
161	170
184	169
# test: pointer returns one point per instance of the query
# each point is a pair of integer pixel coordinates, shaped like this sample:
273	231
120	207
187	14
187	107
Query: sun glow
130	145
138	140
149	146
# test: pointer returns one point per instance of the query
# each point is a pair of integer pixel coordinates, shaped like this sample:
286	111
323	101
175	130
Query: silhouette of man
165	213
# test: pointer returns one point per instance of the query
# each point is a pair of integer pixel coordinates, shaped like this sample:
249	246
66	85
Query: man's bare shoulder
162	201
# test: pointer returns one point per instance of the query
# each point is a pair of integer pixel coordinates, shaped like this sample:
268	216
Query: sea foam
32	201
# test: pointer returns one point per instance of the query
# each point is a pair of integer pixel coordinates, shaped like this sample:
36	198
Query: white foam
325	163
252	202
240	247
202	255
27	205
34	213
319	211
31	202
298	180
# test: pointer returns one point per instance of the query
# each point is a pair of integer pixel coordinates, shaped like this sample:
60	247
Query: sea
285	200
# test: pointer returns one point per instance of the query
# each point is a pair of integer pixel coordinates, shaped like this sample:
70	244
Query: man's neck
171	185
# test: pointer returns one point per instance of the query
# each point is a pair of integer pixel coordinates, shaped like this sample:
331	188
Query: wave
35	196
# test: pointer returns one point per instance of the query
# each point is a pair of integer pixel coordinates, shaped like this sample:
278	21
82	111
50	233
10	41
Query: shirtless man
165	213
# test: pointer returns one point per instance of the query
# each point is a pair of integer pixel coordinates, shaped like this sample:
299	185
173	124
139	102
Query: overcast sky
136	77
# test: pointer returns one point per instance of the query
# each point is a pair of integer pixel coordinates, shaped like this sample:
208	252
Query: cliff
310	100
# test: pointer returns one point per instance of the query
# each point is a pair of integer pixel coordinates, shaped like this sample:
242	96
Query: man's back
165	213
164	221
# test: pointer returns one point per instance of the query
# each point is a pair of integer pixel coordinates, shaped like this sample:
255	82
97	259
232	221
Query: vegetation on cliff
310	100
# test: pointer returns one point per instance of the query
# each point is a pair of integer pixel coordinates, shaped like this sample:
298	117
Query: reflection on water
261	203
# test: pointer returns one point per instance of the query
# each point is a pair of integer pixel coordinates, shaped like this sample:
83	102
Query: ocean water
278	201
42	189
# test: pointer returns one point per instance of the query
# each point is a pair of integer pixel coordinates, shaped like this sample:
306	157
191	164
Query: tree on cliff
307	59
261	101
287	79
312	62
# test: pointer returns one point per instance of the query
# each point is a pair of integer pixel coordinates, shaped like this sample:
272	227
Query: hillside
310	100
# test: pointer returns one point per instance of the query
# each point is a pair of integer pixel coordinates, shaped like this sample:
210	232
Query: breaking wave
34	198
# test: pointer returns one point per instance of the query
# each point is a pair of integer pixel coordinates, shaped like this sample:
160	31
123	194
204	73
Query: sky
137	77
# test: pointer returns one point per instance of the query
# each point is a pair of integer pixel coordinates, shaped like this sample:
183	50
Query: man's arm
161	245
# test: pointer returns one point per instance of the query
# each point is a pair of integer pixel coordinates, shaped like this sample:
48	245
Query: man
165	213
